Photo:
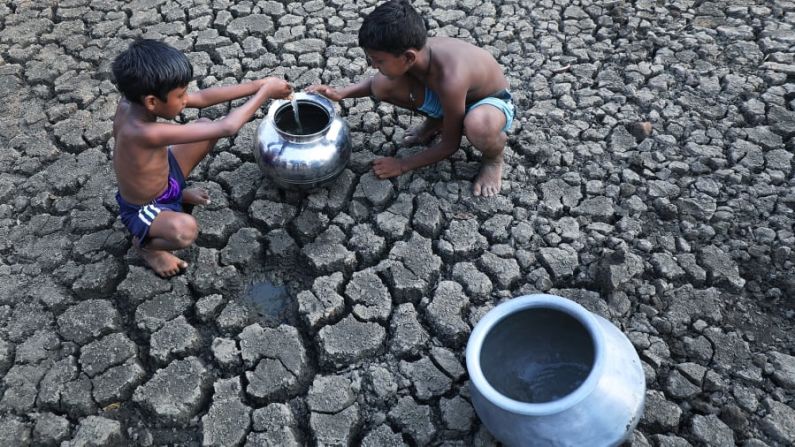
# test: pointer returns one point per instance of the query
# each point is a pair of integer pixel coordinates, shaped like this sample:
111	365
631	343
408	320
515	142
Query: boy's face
388	64
175	103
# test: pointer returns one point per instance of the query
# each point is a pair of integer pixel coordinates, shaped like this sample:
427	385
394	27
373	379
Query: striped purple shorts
138	218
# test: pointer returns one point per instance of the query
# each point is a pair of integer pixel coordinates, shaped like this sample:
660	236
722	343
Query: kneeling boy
152	159
459	87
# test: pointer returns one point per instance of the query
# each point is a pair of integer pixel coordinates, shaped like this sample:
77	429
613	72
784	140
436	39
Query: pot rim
314	98
494	316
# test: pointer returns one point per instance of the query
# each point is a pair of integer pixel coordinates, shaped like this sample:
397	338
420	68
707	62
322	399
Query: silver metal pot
545	371
306	157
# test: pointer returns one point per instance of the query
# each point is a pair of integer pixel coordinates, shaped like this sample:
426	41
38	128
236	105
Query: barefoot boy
152	159
447	80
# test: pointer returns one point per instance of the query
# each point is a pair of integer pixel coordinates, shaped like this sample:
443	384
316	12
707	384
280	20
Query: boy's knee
203	120
185	230
483	129
478	133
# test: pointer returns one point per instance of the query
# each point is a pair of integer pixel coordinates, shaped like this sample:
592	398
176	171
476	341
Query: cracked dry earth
682	238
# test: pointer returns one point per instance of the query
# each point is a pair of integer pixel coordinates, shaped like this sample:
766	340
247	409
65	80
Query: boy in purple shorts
459	87
152	158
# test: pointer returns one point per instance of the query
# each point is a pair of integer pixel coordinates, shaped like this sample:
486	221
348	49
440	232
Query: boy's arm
163	134
215	95
453	98
358	90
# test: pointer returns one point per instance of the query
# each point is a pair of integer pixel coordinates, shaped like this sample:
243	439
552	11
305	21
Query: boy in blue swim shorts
459	87
152	158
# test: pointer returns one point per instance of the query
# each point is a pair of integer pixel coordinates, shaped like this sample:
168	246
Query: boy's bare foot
195	196
162	262
489	179
423	133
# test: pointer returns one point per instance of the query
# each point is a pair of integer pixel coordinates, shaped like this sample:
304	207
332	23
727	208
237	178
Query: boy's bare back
460	68
141	172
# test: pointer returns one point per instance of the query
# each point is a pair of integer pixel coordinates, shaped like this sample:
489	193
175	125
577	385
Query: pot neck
301	138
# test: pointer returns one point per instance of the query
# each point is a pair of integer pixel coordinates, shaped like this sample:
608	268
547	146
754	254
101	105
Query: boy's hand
277	88
326	91
388	167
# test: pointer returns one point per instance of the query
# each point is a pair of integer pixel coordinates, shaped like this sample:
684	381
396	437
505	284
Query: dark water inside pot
310	119
548	382
537	355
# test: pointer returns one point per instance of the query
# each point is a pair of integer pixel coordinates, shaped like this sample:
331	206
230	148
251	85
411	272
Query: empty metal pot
547	372
307	156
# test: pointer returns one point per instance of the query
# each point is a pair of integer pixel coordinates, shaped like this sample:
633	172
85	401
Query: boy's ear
150	102
411	56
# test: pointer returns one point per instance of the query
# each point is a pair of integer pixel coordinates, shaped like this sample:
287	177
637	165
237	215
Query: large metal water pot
545	371
307	156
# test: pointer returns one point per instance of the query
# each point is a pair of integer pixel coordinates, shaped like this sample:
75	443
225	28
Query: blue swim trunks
138	218
502	100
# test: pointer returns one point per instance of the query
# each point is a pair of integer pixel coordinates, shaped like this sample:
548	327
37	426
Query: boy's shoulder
128	125
126	115
123	109
458	54
453	44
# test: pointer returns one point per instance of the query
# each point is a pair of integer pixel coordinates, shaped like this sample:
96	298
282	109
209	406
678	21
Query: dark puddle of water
270	301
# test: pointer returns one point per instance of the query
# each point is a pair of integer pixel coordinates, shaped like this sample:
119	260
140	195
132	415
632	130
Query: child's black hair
150	67
393	27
